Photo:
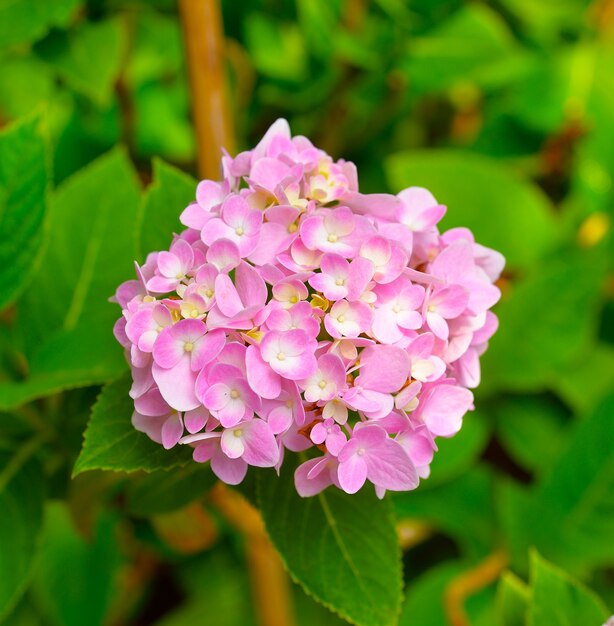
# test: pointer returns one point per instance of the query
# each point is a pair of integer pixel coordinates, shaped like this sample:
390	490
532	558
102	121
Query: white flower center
332	238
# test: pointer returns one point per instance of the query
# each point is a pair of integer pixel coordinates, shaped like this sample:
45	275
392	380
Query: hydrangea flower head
295	314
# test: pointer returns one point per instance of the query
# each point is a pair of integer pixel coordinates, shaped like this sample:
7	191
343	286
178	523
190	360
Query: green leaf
575	502
424	604
163	492
341	548
554	311
533	429
504	211
559	600
89	58
112	443
69	340
23	188
171	191
460	508
513	597
474	38
457	454
74	573
276	51
592	382
21	503
23	21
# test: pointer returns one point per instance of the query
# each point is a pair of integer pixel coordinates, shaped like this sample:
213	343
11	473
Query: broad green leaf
575	502
513	598
559	600
21	503
23	21
474	38
25	83
457	454
533	429
218	592
504	211
165	199
112	443
545	323
23	189
460	508
69	340
276	50
73	574
162	492
88	58
162	125
592	382
341	548
424	604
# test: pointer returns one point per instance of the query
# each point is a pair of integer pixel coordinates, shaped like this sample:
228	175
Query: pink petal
352	473
389	467
207	348
231	471
308	483
384	368
226	296
224	255
261	378
177	384
172	429
261	449
168	349
444	409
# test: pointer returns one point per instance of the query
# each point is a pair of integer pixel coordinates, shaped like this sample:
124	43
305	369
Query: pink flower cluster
295	313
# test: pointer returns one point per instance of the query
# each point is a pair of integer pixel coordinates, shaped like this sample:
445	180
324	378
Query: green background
504	109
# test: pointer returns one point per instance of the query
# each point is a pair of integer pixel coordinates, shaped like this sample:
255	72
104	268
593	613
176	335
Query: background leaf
21	502
520	221
559	600
23	203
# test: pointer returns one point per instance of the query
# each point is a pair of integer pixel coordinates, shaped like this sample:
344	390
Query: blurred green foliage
503	108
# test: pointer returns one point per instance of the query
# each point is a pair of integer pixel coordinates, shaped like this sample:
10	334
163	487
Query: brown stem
270	584
470	582
204	41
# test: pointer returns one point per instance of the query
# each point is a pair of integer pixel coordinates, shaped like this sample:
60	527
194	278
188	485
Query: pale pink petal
177	384
261	449
172	429
231	471
309	483
224	255
384	368
352	473
261	378
444	408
